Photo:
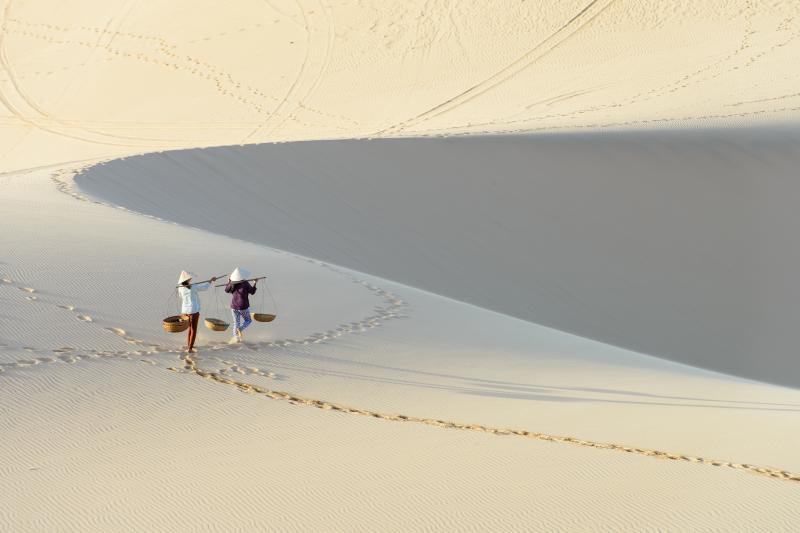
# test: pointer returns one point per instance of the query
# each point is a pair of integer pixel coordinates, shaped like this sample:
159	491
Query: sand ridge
121	355
394	307
495	219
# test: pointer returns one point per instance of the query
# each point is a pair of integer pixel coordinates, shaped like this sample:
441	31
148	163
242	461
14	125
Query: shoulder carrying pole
251	279
199	282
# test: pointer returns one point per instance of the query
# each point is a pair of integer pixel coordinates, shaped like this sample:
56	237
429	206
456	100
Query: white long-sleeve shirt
190	302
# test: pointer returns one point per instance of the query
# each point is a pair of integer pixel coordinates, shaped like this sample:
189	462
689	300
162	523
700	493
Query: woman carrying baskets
240	303
190	304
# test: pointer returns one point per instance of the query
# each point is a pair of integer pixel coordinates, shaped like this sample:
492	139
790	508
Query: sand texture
113	77
392	402
577	232
532	265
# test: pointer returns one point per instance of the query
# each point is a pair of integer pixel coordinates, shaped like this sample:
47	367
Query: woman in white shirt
190	304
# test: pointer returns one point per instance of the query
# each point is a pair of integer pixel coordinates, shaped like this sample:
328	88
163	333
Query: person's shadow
519	391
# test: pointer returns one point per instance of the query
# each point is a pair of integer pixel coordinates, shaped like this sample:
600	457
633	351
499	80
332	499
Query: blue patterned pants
241	319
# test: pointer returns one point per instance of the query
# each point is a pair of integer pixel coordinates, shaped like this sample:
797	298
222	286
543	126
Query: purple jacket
241	294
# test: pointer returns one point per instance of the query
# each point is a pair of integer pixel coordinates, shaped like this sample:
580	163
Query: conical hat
185	276
239	274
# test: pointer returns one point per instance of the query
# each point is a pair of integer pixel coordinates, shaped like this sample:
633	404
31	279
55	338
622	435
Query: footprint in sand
67	307
119	331
5	280
259	372
26	289
31	298
85	318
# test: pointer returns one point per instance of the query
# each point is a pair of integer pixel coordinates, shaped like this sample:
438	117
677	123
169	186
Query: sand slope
676	244
114	77
102	422
342	414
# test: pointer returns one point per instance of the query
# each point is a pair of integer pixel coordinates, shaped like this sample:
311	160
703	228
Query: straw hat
239	274
185	276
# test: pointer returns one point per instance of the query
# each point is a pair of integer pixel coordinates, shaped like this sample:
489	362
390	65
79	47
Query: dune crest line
190	366
62	181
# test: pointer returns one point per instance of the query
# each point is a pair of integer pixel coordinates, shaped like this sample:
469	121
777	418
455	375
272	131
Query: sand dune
97	412
110	78
234	462
676	244
382	399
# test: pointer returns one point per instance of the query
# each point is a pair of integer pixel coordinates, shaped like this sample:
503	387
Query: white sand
103	426
111	77
680	244
99	434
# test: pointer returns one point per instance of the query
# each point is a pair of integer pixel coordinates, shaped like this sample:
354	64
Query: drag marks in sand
159	51
571	26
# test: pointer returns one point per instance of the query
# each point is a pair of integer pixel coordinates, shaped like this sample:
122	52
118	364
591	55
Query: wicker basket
262	317
175	324
216	324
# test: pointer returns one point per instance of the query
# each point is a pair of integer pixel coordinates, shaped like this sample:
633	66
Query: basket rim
175	327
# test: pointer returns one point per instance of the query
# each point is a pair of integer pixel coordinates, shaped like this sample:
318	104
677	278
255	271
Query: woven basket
175	324
262	317
216	324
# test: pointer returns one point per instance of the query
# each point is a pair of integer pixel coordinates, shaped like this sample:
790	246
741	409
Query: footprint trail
190	365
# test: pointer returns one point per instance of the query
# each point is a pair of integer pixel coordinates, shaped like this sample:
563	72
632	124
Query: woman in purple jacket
240	303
